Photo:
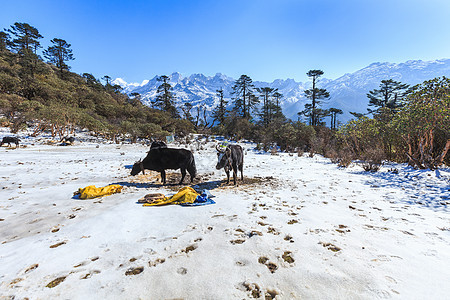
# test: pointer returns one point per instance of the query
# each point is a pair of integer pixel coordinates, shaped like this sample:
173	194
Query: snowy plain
296	228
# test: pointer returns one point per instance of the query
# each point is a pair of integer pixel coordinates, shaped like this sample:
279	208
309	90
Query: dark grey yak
160	159
230	158
10	139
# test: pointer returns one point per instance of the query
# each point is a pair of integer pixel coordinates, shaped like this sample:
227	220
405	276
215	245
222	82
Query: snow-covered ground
297	228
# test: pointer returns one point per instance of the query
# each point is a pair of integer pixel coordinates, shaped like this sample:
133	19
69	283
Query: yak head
223	157
137	167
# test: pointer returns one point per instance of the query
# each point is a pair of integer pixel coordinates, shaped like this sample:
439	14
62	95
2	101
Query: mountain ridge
347	92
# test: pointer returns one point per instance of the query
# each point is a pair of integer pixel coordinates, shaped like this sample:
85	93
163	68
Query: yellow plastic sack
93	192
185	195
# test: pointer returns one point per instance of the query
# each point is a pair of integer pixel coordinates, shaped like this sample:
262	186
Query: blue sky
265	39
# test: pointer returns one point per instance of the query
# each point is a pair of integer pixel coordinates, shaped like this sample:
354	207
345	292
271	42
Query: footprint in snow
31	268
330	247
58	244
189	248
134	271
270	265
156	262
90	274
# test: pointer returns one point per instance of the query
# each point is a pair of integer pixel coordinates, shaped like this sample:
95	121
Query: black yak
160	159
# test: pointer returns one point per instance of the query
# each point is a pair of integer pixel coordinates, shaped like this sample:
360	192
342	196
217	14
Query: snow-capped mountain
347	92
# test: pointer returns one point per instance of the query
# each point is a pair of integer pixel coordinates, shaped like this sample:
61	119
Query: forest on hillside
38	91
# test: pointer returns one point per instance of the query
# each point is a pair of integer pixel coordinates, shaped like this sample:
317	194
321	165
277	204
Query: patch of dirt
201	181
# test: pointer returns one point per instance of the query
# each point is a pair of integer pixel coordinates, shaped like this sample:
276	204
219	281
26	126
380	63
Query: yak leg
234	169
241	167
163	176
228	176
183	174
191	173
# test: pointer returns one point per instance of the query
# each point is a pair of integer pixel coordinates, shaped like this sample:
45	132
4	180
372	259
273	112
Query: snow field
299	227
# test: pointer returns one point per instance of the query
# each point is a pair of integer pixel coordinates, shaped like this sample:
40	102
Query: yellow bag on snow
93	192
185	195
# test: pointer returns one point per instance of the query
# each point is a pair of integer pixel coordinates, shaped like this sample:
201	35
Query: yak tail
191	167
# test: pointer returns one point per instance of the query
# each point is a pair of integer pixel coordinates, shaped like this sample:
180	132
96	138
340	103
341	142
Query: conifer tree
333	113
165	99
25	38
277	111
267	109
4	40
315	94
136	100
59	54
220	112
25	42
391	94
107	79
244	98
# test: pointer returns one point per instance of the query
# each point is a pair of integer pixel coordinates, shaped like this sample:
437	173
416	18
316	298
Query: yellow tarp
185	195
93	192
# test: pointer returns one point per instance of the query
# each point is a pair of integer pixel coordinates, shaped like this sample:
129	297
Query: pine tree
107	79
4	40
267	109
391	94
220	112
59	54
136	100
25	42
25	38
315	94
165	99
333	113
244	98
277	111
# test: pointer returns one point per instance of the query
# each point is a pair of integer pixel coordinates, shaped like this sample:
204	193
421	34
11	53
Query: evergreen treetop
391	94
59	54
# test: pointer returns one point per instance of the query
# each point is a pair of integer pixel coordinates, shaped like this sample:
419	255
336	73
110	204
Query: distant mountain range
347	92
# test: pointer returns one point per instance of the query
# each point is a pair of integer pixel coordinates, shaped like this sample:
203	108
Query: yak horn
220	150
